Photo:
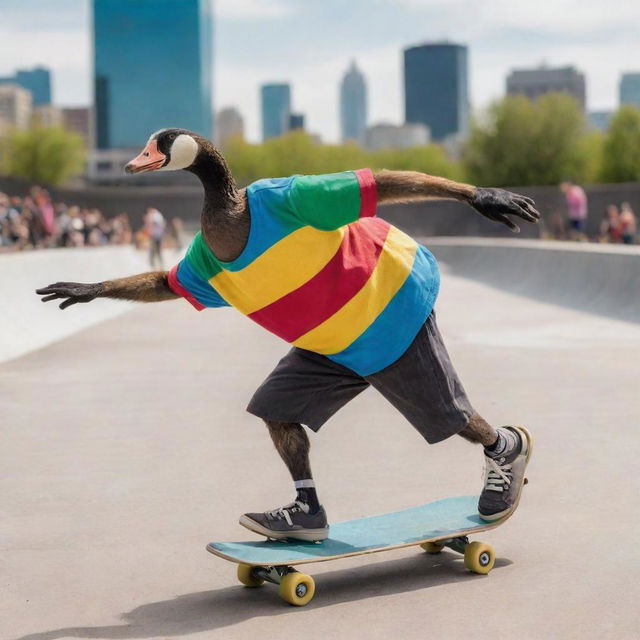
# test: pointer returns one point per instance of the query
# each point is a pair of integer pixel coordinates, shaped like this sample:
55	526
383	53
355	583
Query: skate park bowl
595	278
600	279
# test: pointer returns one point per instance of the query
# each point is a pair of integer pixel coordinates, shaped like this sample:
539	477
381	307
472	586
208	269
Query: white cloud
567	16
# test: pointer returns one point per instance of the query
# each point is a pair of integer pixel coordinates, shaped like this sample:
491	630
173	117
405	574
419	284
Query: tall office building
16	107
630	89
229	124
436	88
353	105
36	80
152	69
276	109
534	83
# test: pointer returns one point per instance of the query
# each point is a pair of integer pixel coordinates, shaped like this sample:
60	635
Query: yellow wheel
247	577
297	588
432	547
479	557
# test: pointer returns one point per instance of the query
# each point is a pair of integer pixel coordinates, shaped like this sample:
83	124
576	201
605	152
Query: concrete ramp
601	279
27	324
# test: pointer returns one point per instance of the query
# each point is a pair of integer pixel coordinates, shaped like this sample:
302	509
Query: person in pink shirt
576	208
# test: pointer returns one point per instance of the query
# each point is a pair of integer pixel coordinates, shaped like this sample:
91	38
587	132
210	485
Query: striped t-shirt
320	271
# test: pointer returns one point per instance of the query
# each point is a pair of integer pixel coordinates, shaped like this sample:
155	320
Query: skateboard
432	526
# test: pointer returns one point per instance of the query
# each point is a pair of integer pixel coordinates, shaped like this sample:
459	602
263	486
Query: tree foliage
297	152
621	152
44	155
520	142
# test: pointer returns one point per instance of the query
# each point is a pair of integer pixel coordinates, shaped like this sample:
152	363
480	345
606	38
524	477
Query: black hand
72	292
497	204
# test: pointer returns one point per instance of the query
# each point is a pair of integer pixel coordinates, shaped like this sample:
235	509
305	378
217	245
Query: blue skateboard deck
434	526
432	522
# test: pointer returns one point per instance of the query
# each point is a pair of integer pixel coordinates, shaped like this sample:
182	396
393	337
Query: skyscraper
16	106
276	109
534	83
152	68
436	88
36	80
630	89
353	105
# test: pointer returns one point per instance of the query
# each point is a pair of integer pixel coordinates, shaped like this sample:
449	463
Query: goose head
168	150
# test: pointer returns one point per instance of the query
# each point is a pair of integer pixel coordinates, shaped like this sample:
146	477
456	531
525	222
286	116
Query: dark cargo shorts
308	388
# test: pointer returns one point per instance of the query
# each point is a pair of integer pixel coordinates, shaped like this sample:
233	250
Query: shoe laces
497	474
284	513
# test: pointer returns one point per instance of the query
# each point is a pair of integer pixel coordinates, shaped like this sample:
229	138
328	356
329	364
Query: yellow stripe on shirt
284	267
343	327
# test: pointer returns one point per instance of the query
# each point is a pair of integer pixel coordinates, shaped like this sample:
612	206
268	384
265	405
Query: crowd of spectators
35	221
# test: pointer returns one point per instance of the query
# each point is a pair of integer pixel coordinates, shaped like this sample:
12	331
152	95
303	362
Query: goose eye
172	136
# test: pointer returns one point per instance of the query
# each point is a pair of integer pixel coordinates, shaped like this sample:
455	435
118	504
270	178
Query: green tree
520	142
621	149
45	155
297	152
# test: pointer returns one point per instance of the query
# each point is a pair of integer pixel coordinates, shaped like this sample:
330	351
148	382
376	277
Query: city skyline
500	36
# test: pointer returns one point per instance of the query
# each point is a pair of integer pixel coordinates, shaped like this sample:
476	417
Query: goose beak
150	159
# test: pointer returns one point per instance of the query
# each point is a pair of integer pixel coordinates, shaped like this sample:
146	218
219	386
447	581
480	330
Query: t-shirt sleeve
186	282
333	200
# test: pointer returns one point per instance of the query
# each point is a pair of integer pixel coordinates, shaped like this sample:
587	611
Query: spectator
628	224
155	225
576	209
610	228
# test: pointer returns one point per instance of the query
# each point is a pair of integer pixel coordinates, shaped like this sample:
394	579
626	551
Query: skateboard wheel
479	557
297	588
432	547
248	577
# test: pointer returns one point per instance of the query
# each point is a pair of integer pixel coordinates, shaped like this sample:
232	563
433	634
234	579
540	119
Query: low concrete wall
599	279
26	323
437	218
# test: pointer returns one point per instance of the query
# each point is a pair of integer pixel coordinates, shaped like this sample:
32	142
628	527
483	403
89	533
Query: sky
310	44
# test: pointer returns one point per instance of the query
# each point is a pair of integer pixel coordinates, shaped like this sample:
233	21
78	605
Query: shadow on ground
210	610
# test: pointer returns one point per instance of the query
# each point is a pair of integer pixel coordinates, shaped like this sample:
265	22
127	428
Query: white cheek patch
183	153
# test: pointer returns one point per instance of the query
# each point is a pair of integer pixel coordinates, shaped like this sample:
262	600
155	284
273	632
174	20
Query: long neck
224	219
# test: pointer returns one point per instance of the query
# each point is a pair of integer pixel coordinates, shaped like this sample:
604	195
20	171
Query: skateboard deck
444	523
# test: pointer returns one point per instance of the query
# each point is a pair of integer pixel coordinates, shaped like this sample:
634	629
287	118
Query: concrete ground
126	449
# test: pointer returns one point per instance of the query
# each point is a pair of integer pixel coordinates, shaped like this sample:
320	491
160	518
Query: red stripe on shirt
368	193
177	288
331	288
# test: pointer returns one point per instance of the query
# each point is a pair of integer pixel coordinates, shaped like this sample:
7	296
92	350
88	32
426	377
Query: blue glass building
276	109
353	105
37	80
152	69
436	88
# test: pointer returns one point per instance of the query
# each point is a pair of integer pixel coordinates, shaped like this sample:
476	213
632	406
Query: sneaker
504	478
291	521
